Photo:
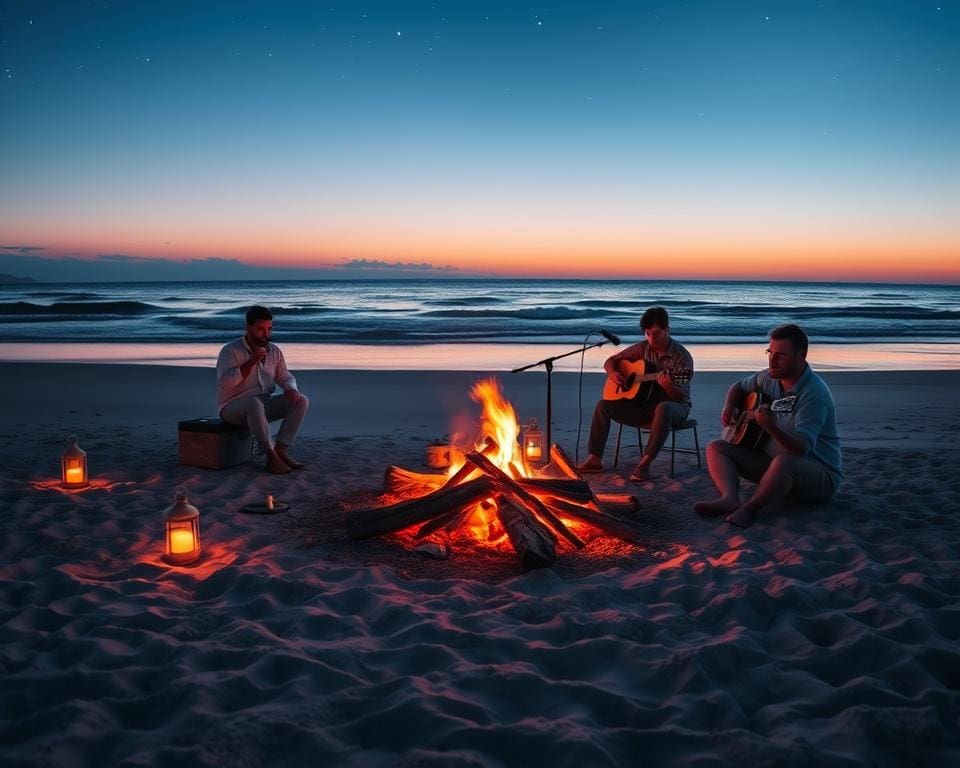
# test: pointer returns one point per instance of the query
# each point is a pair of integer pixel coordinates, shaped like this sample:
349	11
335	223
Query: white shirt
262	380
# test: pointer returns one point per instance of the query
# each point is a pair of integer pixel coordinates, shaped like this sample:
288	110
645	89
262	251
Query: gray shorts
812	481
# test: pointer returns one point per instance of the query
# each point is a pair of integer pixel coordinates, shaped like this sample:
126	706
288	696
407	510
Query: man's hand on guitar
664	380
619	379
728	415
764	418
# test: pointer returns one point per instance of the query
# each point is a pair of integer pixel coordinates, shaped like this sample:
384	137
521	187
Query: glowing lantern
182	522
532	442
73	464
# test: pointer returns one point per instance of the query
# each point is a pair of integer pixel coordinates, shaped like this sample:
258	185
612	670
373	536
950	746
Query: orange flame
498	421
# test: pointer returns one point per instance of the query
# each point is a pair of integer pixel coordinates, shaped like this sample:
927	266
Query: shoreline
918	356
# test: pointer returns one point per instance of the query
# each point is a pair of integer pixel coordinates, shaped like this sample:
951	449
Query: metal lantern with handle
73	464
532	442
182	524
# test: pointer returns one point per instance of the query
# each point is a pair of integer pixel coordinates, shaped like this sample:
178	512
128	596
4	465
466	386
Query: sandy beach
824	635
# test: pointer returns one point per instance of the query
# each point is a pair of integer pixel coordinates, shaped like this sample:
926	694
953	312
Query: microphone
615	340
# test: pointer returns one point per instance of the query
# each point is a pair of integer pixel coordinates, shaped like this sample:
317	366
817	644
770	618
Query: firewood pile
538	513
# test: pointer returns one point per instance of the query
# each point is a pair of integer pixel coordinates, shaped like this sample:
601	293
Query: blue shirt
808	410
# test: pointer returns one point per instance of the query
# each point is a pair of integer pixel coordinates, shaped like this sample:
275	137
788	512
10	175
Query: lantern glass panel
73	464
532	442
182	530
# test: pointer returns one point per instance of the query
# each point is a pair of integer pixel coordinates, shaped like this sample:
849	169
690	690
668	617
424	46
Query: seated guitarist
667	406
799	456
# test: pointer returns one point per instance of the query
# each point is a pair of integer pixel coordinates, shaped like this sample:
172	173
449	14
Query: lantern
532	442
182	521
73	464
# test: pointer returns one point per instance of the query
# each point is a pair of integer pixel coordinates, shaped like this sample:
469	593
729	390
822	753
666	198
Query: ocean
387	319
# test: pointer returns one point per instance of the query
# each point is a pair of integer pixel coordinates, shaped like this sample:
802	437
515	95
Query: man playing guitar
667	405
799	453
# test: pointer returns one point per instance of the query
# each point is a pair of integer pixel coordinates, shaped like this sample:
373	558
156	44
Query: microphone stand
548	365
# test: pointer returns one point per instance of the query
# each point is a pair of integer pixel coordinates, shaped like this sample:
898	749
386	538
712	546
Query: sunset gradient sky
797	140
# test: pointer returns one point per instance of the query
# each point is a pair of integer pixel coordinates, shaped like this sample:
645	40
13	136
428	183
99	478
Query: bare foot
591	464
276	465
288	460
641	473
742	518
717	507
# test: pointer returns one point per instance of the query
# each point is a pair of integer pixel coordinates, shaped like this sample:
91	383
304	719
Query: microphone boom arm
547	363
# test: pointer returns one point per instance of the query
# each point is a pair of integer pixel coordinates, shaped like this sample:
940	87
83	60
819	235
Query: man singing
248	372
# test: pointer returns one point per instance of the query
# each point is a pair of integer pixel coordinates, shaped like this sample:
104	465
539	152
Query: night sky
687	139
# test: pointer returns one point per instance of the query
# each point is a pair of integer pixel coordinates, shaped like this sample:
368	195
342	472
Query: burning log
450	521
571	490
403	481
399	480
396	517
618	527
534	543
614	503
618	504
521	497
468	470
560	460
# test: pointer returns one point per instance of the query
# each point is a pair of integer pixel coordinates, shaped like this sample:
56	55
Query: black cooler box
213	443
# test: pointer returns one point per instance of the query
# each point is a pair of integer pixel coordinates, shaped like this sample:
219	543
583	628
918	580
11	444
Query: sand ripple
825	636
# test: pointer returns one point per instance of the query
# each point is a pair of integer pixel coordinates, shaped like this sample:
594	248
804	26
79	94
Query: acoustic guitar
635	376
744	430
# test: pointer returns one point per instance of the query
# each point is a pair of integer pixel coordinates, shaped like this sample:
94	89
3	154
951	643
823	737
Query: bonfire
499	498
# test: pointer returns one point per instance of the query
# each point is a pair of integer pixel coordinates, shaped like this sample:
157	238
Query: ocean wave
893	313
79	308
639	305
318	310
529	313
465	301
61	296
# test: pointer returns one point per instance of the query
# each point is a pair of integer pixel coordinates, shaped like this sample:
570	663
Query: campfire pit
498	497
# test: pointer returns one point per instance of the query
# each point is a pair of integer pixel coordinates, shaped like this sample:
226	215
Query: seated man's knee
304	402
715	447
784	463
603	410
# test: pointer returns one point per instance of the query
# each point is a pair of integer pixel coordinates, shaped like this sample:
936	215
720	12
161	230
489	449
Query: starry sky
794	140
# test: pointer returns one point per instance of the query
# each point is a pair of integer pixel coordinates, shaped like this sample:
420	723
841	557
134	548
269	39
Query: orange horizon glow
849	260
